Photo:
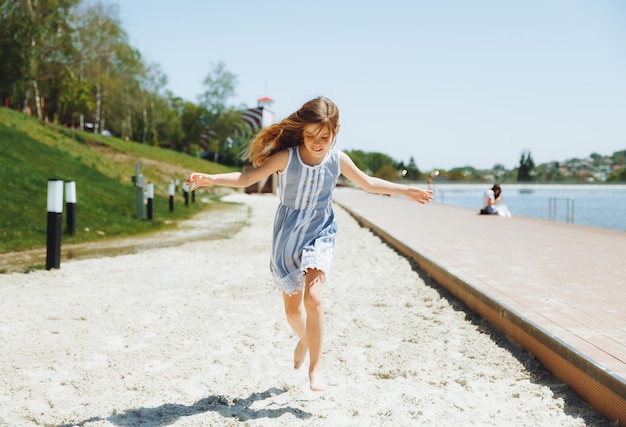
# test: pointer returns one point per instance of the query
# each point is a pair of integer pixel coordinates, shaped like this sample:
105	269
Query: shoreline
518	185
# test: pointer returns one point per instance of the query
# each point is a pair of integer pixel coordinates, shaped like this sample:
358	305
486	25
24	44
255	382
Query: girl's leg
314	284
295	318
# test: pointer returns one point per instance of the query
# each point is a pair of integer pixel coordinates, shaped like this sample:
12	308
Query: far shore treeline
69	62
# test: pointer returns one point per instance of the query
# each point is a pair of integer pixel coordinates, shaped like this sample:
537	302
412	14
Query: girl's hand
196	180
420	196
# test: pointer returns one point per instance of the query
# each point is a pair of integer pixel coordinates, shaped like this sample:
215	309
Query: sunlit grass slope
102	167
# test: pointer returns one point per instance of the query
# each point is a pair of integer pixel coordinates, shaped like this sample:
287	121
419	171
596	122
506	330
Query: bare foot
316	380
299	354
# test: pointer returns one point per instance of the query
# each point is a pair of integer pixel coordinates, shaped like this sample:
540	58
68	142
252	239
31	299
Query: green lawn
102	167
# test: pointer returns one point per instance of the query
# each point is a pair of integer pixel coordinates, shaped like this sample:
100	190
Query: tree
465	173
618	175
227	131
191	123
596	158
225	125
154	106
219	88
619	157
48	33
125	93
387	172
413	172
75	97
380	164
360	159
15	47
499	172
374	163
105	61
526	169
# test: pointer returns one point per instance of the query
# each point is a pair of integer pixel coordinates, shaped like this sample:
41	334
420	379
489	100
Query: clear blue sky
449	82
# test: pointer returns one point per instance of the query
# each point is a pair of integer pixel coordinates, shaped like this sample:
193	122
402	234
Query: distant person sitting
492	202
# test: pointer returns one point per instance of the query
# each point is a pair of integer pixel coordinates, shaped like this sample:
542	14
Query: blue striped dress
304	227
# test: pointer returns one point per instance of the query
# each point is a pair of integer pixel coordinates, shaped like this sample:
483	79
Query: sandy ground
194	335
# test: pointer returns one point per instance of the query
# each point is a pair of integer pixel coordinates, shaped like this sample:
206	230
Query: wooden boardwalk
557	289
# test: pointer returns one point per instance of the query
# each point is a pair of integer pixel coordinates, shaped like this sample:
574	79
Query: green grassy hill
32	152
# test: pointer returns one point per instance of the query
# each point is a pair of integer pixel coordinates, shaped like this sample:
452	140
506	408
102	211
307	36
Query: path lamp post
70	205
186	193
150	195
171	189
139	183
55	213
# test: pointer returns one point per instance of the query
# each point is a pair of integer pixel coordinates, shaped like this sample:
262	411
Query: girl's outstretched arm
380	186
275	163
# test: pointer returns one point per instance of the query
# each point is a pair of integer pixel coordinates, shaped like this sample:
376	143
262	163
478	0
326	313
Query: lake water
594	205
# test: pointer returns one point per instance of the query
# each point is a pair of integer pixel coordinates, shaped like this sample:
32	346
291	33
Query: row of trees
69	62
383	166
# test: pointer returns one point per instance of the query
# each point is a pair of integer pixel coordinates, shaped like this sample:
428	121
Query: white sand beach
194	335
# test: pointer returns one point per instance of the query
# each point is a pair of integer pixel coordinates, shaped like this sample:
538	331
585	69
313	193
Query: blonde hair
288	132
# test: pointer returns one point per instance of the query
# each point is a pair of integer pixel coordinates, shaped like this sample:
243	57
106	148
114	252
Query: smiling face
317	142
